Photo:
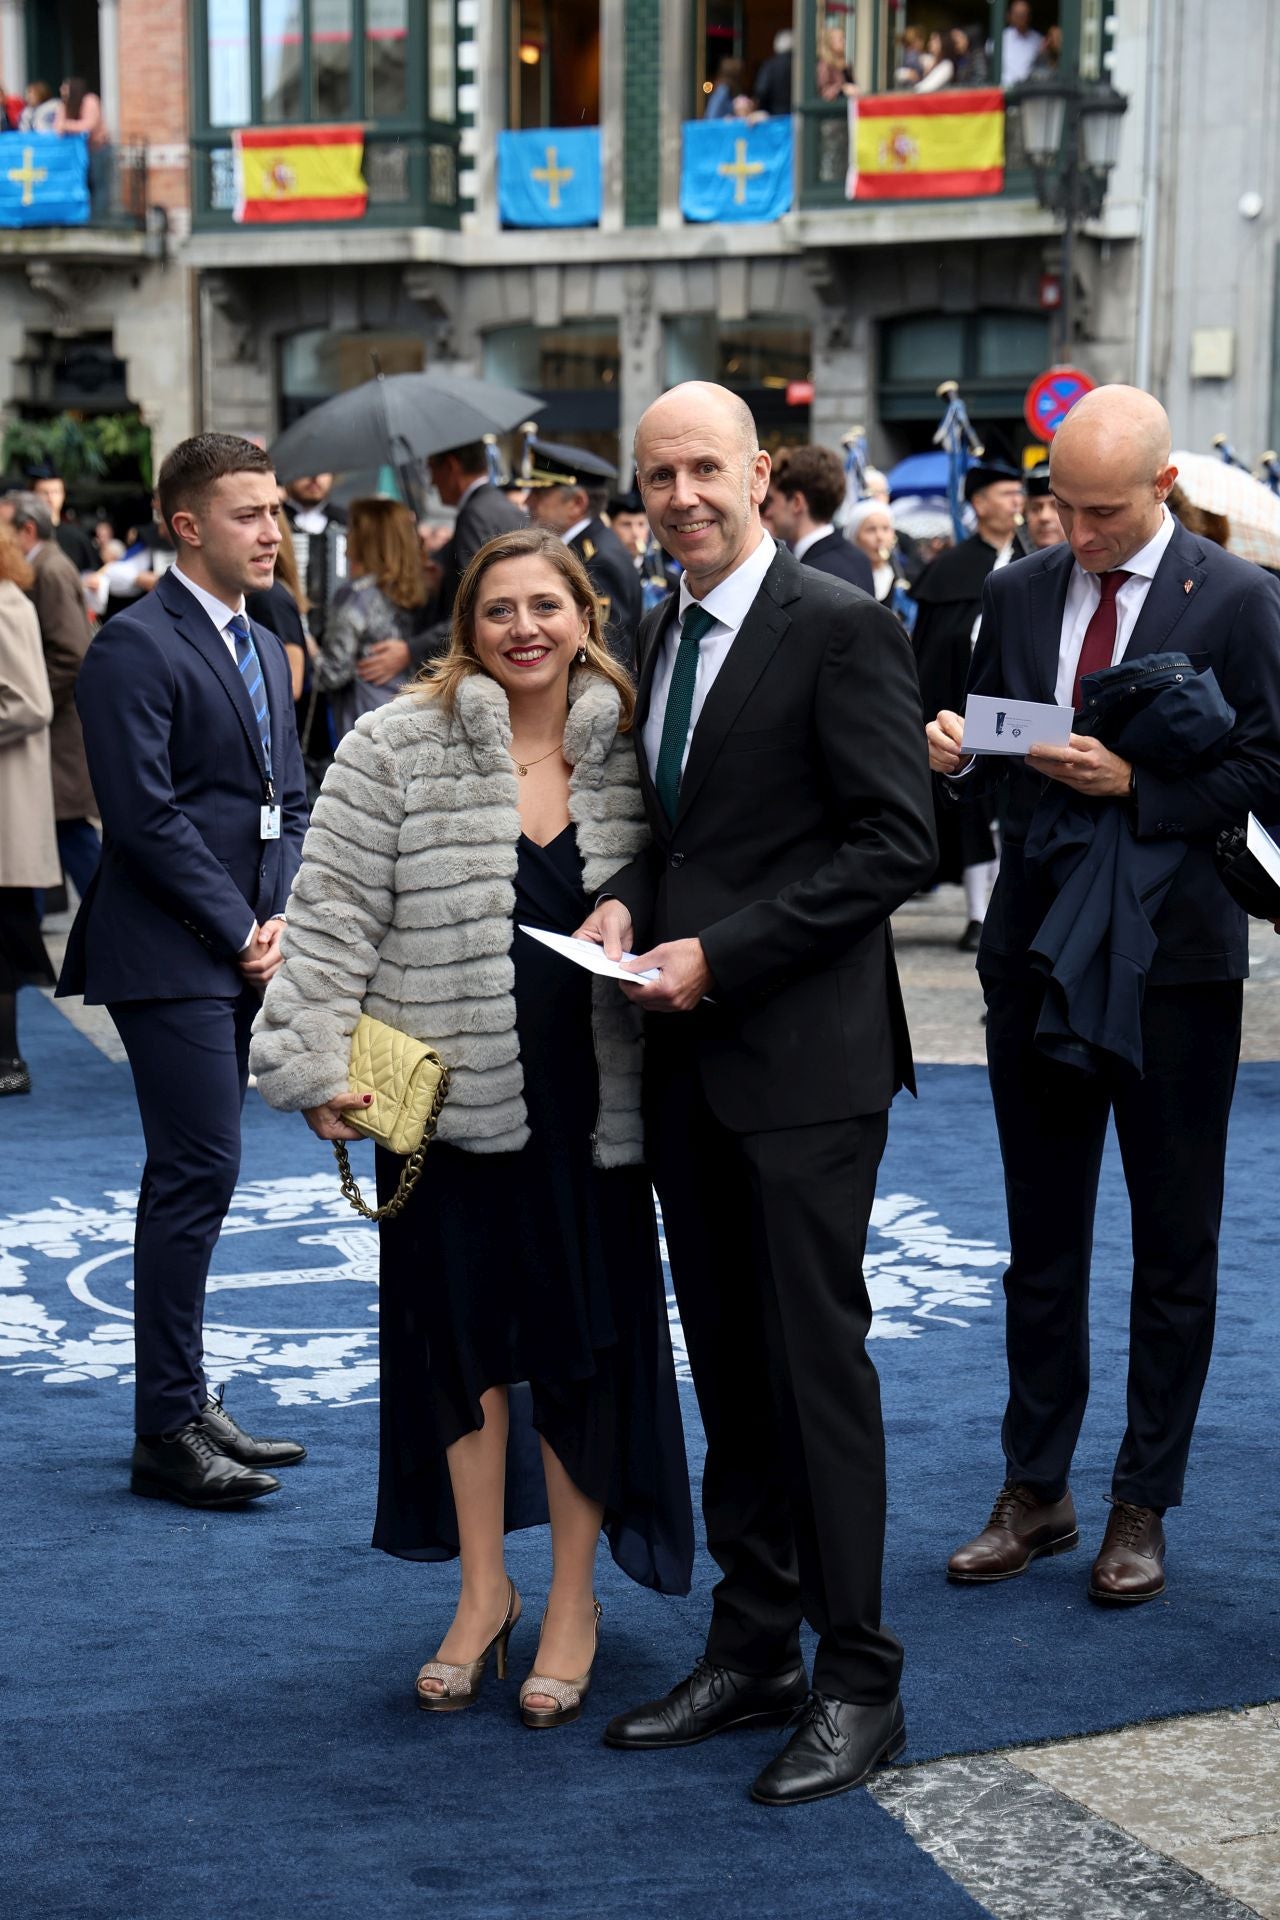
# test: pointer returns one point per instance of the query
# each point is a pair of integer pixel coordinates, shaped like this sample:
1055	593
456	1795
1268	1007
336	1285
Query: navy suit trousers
190	1063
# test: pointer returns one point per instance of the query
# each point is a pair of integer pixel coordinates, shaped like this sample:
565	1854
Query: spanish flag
299	173
911	146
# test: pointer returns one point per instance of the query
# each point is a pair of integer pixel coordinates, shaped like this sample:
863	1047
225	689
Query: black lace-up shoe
187	1467
711	1700
230	1439
836	1745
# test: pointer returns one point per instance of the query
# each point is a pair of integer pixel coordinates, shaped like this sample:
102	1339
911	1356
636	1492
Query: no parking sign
1050	398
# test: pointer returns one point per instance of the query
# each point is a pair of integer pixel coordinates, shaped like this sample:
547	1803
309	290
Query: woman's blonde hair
287	565
14	564
442	678
382	538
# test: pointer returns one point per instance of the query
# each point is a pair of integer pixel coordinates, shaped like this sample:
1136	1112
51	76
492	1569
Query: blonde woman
382	599
521	1289
28	842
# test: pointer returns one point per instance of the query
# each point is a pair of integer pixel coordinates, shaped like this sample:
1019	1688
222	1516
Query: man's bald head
1110	473
695	403
702	477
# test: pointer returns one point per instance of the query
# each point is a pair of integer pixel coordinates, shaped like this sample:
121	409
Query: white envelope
585	953
1263	848
1004	725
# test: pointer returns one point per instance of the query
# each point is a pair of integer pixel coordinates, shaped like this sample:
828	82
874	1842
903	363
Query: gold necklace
523	766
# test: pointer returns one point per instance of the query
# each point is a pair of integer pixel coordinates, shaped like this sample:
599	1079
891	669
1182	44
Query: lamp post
1071	133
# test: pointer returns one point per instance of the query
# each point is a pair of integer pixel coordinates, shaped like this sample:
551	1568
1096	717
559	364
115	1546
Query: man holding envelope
1129	582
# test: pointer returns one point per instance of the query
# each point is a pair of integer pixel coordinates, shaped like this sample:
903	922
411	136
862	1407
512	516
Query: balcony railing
412	177
119	195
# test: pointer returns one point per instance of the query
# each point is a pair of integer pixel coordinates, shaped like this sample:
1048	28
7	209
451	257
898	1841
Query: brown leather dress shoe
1022	1527
1130	1566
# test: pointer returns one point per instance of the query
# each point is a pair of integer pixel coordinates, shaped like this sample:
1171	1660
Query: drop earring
582	656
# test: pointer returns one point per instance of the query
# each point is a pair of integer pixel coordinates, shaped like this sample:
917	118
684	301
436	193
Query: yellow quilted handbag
409	1083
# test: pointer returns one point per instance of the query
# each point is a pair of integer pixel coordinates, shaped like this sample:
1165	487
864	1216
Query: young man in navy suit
190	736
1130	581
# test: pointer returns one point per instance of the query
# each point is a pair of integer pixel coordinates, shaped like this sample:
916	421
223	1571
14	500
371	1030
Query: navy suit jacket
835	555
178	771
1223	613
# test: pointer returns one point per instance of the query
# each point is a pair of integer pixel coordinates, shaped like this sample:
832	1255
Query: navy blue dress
538	1271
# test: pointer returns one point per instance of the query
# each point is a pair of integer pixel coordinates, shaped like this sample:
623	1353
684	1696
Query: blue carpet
217	1713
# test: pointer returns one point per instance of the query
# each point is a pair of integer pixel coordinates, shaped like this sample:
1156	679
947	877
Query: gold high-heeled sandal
569	1693
461	1684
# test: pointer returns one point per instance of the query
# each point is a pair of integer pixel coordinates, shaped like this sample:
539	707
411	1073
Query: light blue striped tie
255	686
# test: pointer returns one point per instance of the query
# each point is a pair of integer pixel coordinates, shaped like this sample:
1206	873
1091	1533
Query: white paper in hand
1003	725
1263	848
585	953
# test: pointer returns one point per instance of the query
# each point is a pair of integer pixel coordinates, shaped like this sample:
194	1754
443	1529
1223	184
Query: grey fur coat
403	908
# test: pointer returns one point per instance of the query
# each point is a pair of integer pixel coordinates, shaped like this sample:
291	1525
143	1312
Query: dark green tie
675	722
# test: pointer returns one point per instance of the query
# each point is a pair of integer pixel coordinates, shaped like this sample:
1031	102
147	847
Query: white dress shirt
1018	54
1085	591
221	615
801	546
730	602
219	611
570	534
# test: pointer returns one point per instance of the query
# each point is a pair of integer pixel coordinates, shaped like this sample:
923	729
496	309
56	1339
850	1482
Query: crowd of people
730	794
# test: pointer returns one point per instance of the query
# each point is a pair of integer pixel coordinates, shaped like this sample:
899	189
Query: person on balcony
80	111
772	93
40	114
1020	45
730	88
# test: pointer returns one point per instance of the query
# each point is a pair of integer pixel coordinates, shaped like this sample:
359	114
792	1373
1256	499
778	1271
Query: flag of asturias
299	173
44	180
926	146
733	170
549	177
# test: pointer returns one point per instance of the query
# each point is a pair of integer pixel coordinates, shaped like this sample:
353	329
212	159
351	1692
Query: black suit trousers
190	1064
1171	1127
766	1234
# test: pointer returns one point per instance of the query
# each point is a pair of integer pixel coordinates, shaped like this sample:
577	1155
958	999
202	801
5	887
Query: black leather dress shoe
230	1439
836	1745
187	1467
711	1700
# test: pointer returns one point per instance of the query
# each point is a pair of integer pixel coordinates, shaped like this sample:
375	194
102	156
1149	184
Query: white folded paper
1013	726
1263	848
585	953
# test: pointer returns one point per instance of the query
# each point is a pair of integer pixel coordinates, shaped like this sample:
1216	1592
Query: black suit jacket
805	819
177	767
1223	613
481	517
612	572
835	555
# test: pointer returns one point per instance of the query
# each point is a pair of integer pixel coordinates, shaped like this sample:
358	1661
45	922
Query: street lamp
1071	134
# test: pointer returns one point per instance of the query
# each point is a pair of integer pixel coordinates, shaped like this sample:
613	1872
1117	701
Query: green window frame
411	159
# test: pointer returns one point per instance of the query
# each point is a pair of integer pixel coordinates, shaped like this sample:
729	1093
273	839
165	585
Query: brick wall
641	95
153	95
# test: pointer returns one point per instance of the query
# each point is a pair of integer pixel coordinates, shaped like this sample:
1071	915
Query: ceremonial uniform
554	476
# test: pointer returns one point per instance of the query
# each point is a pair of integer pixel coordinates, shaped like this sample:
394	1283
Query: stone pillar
613	52
109	64
13	45
640	354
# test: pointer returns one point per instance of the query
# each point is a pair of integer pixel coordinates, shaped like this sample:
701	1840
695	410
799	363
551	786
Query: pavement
1167	1817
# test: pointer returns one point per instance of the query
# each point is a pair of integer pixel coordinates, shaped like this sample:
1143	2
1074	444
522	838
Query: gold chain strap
410	1173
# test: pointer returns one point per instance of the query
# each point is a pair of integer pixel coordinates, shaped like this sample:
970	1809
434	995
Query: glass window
952	43
386	54
835	29
331	59
442	103
766	361
916	347
281	60
555	63
230	101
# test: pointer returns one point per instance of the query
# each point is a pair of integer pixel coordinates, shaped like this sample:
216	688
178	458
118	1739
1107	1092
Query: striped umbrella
1252	511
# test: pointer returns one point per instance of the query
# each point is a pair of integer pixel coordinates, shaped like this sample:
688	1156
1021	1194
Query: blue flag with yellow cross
734	170
44	180
549	177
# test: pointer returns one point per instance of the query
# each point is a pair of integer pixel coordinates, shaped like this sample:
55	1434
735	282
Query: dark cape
949	597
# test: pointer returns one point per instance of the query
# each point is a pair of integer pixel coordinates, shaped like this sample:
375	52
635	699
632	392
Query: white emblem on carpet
256	1323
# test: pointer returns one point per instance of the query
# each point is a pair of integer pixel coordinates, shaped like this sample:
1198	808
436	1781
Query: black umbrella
396	419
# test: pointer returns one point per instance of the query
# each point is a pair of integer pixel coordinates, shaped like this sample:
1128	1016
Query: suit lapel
1168	596
653	631
195	626
1047	597
753	647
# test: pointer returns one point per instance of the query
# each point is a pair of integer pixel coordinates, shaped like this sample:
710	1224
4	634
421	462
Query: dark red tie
1100	634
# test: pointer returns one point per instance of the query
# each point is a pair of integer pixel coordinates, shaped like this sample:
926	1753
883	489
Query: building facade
835	314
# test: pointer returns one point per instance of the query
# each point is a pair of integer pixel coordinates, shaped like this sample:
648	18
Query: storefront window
766	361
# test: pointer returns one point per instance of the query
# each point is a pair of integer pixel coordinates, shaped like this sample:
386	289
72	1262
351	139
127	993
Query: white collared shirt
1018	54
1084	591
730	602
218	610
579	526
801	546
